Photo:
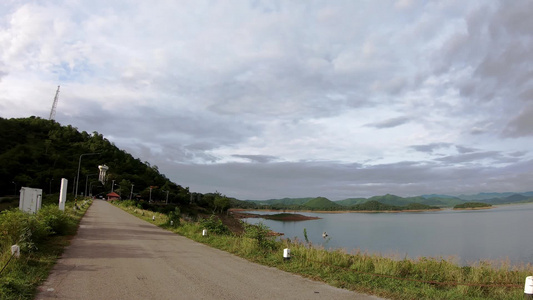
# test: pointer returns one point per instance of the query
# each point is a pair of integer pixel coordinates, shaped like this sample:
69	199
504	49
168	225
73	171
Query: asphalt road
118	256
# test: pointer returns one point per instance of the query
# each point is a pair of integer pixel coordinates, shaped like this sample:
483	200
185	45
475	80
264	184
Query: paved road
118	256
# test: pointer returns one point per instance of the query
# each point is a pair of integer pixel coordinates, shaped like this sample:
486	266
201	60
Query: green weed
42	238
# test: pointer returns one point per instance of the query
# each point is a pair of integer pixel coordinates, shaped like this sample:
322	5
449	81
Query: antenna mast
53	111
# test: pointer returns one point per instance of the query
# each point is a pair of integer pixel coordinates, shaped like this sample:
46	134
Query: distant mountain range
427	201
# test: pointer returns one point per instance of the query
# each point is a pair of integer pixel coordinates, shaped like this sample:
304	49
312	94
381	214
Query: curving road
118	256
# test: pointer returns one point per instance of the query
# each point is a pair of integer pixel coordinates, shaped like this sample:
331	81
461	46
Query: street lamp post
50	186
78	177
131	192
150	195
87	180
167	197
91	187
73	185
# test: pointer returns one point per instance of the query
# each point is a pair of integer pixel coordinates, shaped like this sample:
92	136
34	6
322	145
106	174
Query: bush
214	225
59	222
27	230
261	233
174	216
128	203
17	227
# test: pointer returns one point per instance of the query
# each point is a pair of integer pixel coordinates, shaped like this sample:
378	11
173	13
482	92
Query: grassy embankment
422	278
42	238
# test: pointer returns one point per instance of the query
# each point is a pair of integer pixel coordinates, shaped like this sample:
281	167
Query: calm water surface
504	232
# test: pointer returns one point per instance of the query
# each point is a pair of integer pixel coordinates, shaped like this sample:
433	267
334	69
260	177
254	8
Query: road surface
118	256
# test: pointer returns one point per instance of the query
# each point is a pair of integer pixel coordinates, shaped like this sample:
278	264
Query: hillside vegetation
386	202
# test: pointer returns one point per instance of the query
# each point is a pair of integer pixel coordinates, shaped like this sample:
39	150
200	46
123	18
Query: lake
467	236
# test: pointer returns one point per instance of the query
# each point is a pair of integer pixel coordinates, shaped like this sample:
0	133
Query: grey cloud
489	63
2	74
518	154
521	125
201	146
185	136
390	123
257	158
430	148
471	157
338	181
462	149
527	95
477	131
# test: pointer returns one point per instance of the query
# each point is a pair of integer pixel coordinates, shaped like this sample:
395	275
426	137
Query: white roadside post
204	232
286	254
63	194
528	288
15	251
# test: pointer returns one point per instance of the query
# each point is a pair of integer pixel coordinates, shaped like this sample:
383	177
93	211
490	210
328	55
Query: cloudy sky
269	99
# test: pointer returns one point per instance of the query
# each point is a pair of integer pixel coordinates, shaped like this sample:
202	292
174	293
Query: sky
271	99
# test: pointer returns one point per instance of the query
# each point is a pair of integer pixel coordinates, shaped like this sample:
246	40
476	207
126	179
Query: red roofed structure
113	196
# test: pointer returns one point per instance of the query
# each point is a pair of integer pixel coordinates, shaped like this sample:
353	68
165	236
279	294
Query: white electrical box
30	199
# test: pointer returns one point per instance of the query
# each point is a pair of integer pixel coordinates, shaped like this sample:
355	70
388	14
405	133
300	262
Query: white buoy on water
325	234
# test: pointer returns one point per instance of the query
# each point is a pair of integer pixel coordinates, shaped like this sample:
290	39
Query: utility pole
79	166
86	181
131	192
54	105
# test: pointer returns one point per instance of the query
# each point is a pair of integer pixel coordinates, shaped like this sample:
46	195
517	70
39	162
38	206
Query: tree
221	203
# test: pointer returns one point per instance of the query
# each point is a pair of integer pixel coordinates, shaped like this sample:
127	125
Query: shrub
214	225
59	222
261	233
174	216
17	227
127	203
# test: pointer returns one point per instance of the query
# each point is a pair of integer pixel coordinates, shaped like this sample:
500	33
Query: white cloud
262	87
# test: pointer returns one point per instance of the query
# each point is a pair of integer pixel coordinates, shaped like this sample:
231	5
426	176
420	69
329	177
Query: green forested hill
284	201
37	153
351	201
321	203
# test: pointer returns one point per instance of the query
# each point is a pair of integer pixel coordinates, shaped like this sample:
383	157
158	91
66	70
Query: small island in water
278	217
472	206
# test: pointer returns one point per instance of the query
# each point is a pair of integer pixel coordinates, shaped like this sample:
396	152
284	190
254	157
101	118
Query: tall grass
42	238
422	278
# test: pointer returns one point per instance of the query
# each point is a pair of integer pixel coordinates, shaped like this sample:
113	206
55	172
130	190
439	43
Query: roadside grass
42	238
421	278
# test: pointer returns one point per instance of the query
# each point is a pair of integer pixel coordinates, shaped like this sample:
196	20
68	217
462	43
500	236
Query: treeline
324	204
37	153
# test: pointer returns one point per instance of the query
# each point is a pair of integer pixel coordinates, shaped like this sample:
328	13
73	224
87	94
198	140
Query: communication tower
53	111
